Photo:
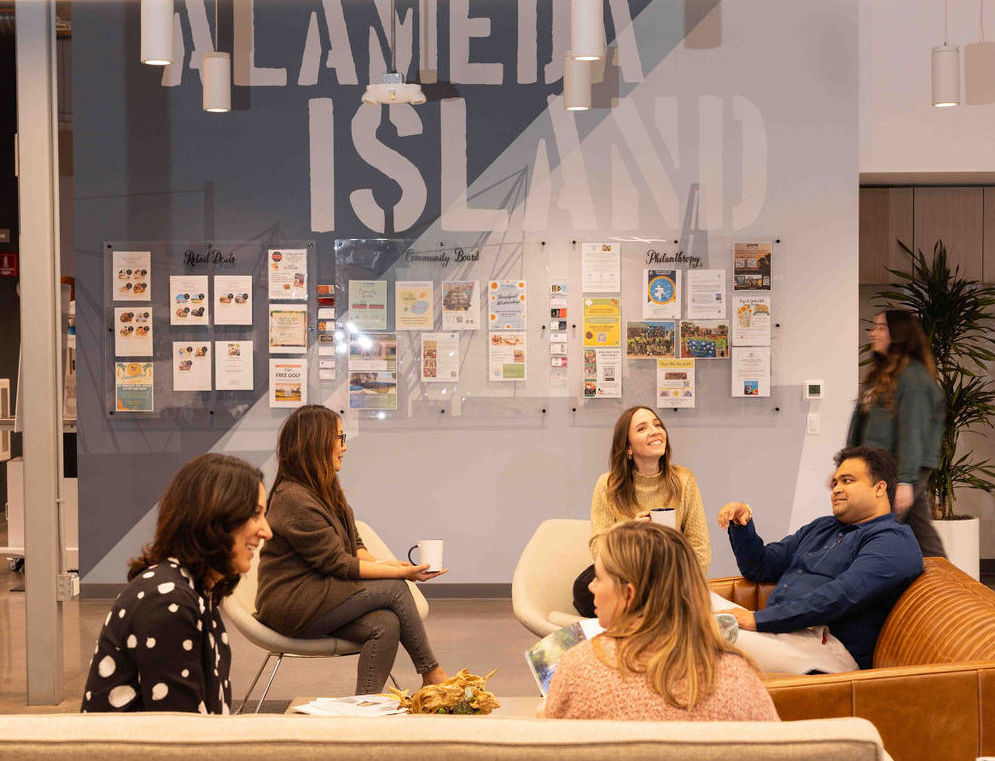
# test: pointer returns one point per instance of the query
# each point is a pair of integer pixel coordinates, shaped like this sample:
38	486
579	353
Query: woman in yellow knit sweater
642	477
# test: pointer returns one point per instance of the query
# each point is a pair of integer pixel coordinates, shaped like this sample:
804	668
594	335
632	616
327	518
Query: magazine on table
546	653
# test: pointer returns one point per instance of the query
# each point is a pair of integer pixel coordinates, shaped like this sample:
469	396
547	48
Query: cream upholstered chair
542	588
240	606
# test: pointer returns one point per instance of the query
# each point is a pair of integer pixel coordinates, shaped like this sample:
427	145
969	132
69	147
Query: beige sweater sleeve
603	515
693	524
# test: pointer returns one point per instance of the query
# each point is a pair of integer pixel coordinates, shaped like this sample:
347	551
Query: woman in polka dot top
163	646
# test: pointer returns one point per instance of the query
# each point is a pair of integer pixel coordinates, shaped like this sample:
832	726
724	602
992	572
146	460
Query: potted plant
957	315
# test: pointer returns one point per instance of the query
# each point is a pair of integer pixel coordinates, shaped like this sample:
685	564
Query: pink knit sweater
585	688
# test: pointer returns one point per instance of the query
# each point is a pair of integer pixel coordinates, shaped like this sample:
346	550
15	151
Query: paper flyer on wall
752	262
326	337
650	340
751	371
751	320
326	368
414	305
191	365
460	305
603	373
675	383
440	357
131	275
368	304
287	328
706	294
506	356
287	274
373	391
326	295
662	297
132	331
601	267
233	299
506	304
602	322
188	300
133	386
233	365
558	336
705	339
373	352
287	381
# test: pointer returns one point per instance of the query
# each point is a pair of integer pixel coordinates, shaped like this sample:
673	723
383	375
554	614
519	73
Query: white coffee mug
429	551
665	516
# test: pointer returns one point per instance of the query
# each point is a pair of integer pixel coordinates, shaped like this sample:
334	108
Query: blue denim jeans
380	616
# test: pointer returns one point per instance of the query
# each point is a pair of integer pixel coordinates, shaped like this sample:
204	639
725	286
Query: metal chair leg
396	685
252	686
279	660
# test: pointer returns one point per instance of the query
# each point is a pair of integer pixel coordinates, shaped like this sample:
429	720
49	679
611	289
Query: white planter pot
961	540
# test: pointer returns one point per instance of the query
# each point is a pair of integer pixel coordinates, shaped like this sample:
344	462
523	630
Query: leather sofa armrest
752	595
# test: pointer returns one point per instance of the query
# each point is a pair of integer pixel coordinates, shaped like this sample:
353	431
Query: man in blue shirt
837	578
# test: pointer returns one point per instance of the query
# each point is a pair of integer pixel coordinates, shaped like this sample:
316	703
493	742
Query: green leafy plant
956	314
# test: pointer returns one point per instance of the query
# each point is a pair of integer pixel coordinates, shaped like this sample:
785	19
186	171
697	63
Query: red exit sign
8	264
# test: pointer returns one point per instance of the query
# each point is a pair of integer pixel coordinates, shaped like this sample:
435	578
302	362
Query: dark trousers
920	519
583	599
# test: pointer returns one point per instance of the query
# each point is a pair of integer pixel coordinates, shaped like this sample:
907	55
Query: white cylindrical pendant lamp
946	75
215	74
576	84
587	29
157	32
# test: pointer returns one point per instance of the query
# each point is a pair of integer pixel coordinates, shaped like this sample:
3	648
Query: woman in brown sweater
315	576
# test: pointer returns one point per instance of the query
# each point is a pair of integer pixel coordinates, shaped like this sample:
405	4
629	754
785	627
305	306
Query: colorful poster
287	382
233	299
558	301
414	305
751	371
373	352
373	391
287	274
602	322
133	386
601	267
233	365
559	374
506	356
440	357
752	266
460	305
675	383
706	294
130	273
326	295
506	305
132	331
662	299
603	373
326	337
287	328
191	365
751	320
650	340
368	304
705	339
188	300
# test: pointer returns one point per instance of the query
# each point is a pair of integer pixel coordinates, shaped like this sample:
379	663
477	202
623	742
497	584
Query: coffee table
518	707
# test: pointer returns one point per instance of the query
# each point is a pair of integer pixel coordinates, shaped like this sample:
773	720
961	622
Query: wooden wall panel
955	216
885	217
988	256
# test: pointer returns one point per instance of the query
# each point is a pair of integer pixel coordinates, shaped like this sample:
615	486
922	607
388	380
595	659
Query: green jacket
912	430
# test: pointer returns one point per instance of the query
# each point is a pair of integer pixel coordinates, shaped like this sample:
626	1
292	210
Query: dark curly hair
210	497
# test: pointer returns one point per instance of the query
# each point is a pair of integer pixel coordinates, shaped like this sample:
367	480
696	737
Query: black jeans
583	599
380	615
920	519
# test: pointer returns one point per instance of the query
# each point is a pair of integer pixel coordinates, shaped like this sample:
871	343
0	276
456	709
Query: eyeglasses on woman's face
340	437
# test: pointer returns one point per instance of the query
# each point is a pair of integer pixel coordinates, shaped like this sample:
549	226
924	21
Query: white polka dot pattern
121	695
159	691
150	643
188	644
106	666
166	587
132	642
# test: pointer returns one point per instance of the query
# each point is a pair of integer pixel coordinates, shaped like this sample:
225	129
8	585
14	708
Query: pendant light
587	29
393	88
157	32
946	70
576	83
215	75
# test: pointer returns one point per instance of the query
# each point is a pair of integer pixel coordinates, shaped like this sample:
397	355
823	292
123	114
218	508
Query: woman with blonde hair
661	656
642	476
901	410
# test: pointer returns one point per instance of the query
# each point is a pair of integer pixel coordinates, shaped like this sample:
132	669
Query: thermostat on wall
812	389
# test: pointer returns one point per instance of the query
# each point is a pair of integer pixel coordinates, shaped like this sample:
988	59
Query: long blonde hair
667	630
621	491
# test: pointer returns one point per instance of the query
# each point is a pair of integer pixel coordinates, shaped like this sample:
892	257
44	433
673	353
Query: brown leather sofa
931	693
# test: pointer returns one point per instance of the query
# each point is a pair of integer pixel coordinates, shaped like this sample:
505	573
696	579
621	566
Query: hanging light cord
393	47
216	30
945	35
981	9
